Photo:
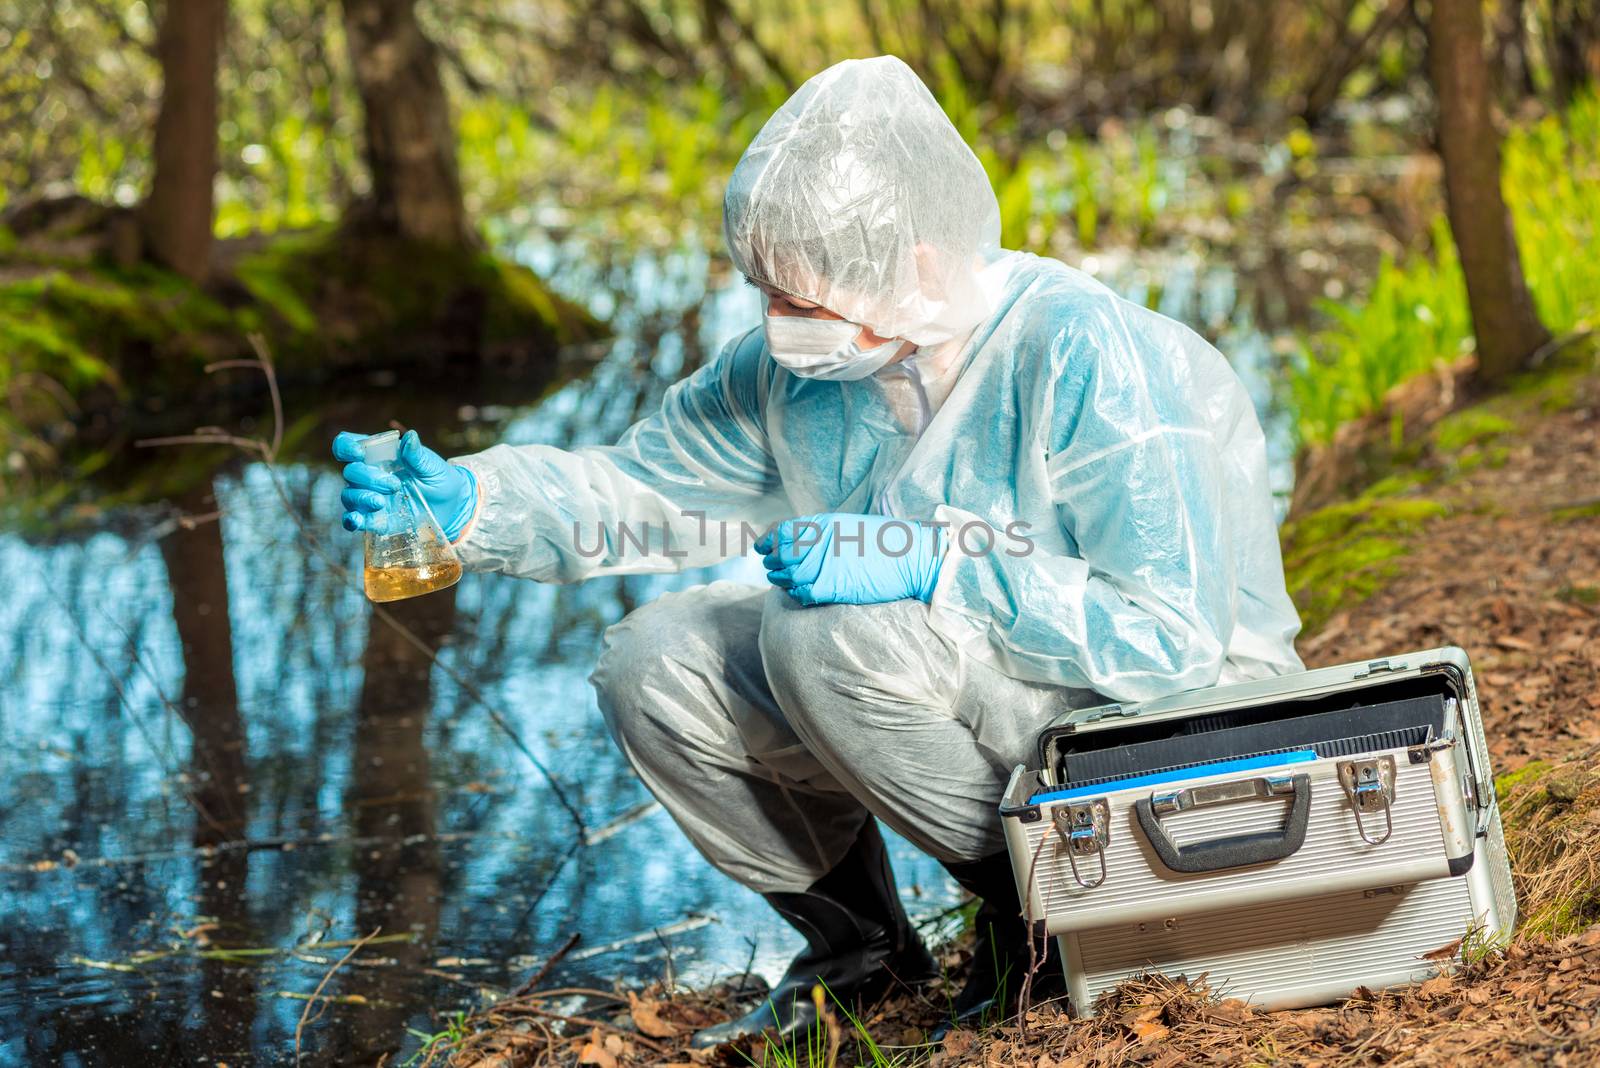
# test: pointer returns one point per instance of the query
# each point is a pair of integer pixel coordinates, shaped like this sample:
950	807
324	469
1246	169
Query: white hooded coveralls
1101	468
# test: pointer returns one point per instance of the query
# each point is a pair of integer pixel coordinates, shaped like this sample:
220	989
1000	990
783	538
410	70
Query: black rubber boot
1001	960
858	942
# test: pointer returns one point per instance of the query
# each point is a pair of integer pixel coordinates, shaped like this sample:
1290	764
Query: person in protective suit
988	490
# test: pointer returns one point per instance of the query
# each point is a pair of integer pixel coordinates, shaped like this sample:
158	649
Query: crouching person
991	491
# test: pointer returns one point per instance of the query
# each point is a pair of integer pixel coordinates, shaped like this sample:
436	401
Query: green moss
517	295
71	336
267	277
1586	510
1340	555
1398	482
1579	594
76	327
1471	426
329	291
1504	784
1551	390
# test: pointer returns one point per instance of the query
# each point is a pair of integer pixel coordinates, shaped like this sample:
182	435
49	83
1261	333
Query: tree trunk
1503	316
411	146
177	214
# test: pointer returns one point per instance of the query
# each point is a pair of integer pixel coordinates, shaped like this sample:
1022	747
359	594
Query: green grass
455	1031
1415	315
648	170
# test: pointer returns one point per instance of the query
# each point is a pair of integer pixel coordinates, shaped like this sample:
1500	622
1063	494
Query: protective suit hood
859	194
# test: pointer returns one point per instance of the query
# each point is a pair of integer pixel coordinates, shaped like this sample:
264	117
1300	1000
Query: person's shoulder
1049	289
1052	315
1082	328
1056	298
741	371
740	359
748	348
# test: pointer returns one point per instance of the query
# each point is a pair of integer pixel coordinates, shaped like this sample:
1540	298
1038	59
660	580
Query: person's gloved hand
838	558
450	490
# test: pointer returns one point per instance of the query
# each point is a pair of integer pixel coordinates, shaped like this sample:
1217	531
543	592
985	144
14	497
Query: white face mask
825	348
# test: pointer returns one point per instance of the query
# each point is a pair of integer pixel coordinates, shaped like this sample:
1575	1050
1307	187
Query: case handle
1238	851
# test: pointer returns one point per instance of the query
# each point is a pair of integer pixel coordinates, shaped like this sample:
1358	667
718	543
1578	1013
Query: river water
222	765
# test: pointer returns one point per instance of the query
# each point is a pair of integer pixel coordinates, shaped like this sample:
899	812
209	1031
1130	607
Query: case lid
1343	723
1260	691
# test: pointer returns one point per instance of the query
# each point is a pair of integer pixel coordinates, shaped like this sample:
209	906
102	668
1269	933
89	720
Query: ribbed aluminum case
1337	914
1334	856
1281	955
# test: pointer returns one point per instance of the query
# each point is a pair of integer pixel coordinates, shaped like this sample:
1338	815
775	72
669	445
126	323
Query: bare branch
315	994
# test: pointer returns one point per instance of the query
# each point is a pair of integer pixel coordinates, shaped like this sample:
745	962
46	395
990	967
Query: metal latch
1085	827
1369	784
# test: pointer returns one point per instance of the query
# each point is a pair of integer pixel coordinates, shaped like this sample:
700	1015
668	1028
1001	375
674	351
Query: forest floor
1488	539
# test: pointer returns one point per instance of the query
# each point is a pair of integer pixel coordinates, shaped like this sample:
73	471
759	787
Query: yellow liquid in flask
398	583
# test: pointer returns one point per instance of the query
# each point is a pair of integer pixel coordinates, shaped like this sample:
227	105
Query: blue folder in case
1194	771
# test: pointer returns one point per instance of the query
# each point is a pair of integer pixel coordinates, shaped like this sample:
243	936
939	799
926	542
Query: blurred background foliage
1227	125
1415	311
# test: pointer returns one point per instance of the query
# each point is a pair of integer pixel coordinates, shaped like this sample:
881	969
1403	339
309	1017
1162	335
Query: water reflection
224	763
390	801
218	785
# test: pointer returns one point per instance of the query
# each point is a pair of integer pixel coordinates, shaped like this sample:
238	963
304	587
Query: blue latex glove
450	490
838	558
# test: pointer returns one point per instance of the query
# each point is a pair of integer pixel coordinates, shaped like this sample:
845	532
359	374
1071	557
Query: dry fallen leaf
1150	1031
958	1042
646	1017
1446	952
1231	1011
1438	986
593	1053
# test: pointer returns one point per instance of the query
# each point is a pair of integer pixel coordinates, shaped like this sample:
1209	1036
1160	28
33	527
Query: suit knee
796	651
814	656
635	655
655	672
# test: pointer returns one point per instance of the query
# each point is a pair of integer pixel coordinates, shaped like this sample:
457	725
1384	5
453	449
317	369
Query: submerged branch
306	1018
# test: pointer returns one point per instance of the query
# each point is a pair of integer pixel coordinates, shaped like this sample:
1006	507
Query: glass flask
411	556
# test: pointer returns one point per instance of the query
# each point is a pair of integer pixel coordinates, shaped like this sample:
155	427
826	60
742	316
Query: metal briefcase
1291	838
